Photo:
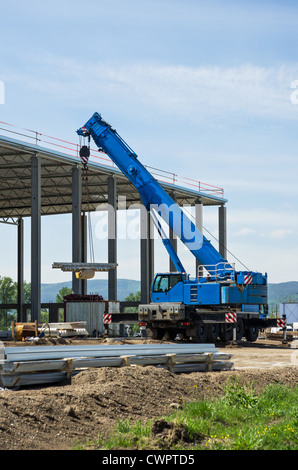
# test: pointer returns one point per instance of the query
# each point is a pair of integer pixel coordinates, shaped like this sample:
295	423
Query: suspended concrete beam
73	267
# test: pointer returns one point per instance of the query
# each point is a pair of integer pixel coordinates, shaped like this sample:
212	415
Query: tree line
9	295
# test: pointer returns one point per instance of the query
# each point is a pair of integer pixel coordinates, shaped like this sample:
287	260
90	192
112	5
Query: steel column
199	223
35	237
112	236
84	249
21	317
173	240
147	254
76	225
222	231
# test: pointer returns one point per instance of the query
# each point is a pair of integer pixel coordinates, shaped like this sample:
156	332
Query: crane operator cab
167	287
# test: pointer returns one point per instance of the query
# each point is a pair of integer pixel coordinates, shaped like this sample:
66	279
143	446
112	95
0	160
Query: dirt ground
59	417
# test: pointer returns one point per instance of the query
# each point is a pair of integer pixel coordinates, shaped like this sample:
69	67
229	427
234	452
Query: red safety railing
96	156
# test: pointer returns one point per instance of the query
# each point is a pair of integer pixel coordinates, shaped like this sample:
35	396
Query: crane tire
156	333
226	333
252	333
239	329
213	332
201	333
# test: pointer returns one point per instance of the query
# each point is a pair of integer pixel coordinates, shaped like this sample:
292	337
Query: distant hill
281	292
95	286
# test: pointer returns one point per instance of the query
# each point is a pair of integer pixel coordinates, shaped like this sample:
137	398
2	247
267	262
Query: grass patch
127	435
239	420
242	420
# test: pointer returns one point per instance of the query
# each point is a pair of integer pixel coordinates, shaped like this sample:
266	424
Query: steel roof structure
56	182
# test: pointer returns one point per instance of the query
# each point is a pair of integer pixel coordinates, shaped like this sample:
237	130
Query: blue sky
199	88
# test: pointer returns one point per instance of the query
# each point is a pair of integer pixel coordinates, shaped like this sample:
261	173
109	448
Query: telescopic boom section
153	196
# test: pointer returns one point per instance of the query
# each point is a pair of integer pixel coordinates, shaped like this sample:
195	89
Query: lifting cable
221	244
84	156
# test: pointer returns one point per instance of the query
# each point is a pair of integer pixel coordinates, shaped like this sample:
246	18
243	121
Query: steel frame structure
37	181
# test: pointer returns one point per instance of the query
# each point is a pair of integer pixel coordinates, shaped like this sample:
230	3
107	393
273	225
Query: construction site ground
60	417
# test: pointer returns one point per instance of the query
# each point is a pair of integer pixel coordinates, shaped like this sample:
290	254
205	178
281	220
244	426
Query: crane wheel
226	333
213	332
252	333
239	329
156	333
201	333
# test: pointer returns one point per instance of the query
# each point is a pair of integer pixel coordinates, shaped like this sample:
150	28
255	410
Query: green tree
8	290
27	292
62	292
133	297
59	299
8	295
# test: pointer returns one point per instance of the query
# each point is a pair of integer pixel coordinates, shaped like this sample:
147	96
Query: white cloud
255	218
244	232
281	233
199	92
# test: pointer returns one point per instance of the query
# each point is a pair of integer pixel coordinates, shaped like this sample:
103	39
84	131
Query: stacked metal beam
52	364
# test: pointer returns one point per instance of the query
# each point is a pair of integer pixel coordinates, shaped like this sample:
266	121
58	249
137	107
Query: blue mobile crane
213	305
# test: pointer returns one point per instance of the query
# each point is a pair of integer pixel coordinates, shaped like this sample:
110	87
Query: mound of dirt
166	434
59	417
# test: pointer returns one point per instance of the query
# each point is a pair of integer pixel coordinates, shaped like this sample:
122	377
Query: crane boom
154	197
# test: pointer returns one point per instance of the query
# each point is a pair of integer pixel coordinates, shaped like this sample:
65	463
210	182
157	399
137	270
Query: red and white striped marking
281	322
231	317
84	160
248	279
107	318
84	130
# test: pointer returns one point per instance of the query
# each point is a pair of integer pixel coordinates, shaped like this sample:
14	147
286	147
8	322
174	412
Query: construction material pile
53	364
29	331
